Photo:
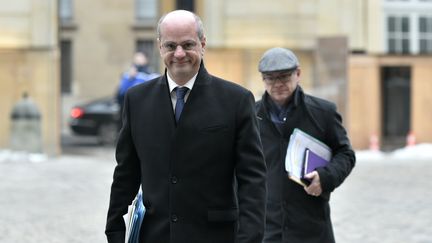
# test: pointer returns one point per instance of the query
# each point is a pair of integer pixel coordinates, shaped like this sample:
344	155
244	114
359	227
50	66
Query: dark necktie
180	93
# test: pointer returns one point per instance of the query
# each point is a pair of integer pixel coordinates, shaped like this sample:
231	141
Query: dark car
98	118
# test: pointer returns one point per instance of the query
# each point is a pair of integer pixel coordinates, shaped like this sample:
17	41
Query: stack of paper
300	143
133	219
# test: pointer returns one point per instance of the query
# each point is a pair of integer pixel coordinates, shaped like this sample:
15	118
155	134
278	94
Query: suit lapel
164	110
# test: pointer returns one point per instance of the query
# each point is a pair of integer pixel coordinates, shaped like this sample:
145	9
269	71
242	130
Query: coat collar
300	101
263	109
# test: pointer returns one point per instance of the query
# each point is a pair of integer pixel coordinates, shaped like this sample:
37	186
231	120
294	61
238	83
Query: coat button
174	180
174	218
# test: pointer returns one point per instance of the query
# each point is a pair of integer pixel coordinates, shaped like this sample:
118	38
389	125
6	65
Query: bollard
410	139
374	142
26	126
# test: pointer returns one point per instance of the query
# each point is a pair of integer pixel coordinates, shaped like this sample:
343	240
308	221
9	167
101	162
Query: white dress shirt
172	85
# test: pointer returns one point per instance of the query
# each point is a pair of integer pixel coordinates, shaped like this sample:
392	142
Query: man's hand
314	189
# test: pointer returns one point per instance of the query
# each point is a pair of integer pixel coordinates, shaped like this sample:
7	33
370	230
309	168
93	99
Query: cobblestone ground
385	202
64	200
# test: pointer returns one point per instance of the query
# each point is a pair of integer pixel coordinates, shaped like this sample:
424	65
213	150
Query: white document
128	218
299	142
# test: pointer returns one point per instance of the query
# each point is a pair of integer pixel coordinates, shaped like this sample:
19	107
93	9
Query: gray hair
198	21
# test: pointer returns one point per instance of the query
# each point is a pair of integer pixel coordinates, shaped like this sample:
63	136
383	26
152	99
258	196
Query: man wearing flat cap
296	213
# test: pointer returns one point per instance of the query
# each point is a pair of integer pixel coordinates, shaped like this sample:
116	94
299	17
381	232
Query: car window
103	106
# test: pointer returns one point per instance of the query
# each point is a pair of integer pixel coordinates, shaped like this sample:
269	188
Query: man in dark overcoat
296	213
191	141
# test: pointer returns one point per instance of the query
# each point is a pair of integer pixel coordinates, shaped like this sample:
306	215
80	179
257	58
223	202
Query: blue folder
137	218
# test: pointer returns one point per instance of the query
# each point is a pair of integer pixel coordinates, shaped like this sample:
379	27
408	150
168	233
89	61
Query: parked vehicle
98	118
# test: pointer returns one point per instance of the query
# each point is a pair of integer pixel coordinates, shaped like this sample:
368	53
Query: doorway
396	103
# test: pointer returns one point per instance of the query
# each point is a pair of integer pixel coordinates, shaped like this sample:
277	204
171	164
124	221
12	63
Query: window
66	66
398	35
148	47
186	5
145	9
425	34
408	26
66	11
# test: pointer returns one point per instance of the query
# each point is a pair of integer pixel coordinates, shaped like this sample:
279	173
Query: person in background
139	72
297	214
191	141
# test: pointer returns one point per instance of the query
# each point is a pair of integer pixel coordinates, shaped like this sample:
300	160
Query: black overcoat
203	179
293	216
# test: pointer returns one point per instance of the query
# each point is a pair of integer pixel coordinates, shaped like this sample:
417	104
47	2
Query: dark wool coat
203	179
293	216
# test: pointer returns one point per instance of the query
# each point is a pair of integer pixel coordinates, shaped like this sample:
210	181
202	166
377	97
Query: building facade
351	58
29	64
372	58
389	80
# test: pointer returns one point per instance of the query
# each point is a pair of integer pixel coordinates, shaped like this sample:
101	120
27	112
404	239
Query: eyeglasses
283	78
172	46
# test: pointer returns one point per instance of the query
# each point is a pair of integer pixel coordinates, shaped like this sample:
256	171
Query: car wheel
108	133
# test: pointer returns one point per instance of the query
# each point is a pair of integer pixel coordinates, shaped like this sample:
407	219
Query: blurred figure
139	72
298	214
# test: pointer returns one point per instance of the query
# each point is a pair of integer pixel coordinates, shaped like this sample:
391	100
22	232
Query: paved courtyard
385	201
64	200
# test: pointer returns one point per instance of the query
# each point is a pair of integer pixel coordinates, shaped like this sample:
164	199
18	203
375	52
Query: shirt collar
189	84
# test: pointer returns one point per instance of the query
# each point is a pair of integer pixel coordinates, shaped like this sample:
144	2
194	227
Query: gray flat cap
278	59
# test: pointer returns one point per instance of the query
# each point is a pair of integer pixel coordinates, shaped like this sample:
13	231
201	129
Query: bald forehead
177	19
177	22
179	15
